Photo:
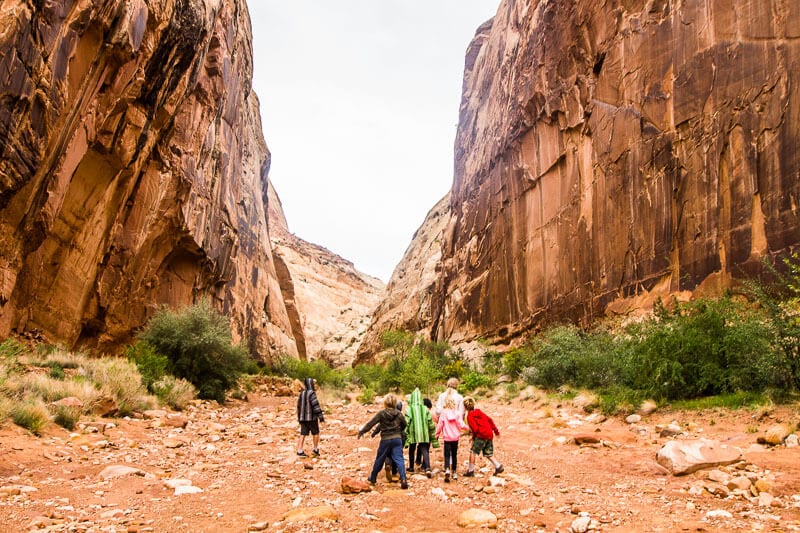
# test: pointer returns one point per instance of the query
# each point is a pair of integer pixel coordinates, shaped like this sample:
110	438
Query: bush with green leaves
317	369
197	341
473	380
119	379
175	392
151	364
30	414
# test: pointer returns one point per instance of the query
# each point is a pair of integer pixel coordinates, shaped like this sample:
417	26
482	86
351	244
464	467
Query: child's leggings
450	455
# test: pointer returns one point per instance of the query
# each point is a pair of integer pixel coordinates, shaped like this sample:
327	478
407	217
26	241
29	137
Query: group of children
420	427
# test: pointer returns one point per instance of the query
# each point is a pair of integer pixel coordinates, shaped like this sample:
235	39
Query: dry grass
31	414
175	392
120	379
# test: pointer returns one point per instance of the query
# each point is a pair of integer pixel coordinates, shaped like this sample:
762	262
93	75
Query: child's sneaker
388	471
315	451
410	469
454	476
498	470
403	484
469	473
447	477
302	454
429	473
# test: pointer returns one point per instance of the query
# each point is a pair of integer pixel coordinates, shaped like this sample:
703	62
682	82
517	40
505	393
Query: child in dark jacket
309	414
391	424
483	432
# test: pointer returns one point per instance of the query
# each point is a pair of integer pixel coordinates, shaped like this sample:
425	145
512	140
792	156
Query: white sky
359	103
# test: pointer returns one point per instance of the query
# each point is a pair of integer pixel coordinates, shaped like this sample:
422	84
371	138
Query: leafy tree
197	341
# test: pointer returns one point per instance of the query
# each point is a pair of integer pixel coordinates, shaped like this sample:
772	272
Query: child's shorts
309	427
483	446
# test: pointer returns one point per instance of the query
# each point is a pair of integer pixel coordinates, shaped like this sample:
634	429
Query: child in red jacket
483	431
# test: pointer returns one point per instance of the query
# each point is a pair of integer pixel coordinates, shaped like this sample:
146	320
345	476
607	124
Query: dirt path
242	458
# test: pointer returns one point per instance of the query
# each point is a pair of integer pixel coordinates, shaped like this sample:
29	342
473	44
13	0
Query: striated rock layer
330	303
611	152
133	171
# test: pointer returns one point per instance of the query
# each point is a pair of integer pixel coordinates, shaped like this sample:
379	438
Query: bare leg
315	438
300	443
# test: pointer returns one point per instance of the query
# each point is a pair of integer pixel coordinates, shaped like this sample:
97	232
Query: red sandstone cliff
133	171
611	152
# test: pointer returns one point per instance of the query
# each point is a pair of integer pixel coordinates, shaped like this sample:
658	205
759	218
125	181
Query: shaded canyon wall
133	171
610	152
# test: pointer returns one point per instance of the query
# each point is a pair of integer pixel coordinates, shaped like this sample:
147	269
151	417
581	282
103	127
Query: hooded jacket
481	425
450	425
308	408
419	423
391	424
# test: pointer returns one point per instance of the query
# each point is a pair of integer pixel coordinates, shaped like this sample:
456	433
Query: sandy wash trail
234	468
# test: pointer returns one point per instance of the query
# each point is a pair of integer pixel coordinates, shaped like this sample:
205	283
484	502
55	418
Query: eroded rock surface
133	171
609	153
330	303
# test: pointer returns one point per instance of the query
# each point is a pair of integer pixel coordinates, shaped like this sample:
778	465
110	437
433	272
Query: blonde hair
449	403
469	403
390	400
452	383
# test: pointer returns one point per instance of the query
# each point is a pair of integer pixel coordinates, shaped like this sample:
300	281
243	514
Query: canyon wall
611	152
330	303
133	171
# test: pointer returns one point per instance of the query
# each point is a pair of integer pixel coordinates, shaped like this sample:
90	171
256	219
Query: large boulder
685	457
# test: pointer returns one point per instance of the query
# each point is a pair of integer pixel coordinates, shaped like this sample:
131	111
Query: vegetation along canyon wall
609	153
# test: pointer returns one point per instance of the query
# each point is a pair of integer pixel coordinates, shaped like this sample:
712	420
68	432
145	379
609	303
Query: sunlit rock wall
133	171
612	152
330	302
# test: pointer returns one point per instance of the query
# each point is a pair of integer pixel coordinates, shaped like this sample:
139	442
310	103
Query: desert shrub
120	379
473	379
372	376
317	369
517	359
367	396
152	365
66	416
49	389
703	348
30	414
197	341
57	372
12	349
175	392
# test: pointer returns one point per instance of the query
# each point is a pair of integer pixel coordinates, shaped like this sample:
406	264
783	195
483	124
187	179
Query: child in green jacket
419	431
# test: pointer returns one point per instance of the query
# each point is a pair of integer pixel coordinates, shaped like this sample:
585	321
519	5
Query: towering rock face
609	152
133	171
329	302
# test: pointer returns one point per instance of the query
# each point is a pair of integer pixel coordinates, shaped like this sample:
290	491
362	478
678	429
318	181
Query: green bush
367	396
152	365
372	376
120	379
175	392
317	369
31	415
197	341
66	416
473	380
12	349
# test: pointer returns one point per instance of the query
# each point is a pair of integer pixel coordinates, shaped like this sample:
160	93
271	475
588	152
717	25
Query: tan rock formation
608	153
133	171
407	301
329	302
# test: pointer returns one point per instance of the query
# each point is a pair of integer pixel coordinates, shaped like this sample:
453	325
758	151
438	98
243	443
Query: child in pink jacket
449	429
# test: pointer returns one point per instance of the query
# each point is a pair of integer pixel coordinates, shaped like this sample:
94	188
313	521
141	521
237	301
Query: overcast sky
359	103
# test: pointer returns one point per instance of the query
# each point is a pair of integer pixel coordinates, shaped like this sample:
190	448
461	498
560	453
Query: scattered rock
586	438
648	407
633	419
69	401
187	489
580	524
718	513
775	435
791	441
473	518
115	471
351	485
685	457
